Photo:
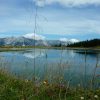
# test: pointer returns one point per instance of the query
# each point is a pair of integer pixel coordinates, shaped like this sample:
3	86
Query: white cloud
67	3
69	40
63	39
74	40
34	36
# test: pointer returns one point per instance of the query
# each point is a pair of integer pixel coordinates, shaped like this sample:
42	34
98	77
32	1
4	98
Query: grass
12	88
21	48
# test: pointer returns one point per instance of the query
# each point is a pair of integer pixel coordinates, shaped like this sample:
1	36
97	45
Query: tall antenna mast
35	30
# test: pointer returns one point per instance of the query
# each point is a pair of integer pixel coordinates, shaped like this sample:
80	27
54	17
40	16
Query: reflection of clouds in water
72	53
35	54
69	52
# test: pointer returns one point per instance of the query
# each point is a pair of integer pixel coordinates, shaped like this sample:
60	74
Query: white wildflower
82	98
95	96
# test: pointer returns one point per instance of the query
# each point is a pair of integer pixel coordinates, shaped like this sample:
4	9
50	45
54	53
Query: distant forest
88	43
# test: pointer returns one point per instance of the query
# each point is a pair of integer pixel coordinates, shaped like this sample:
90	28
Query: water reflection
34	54
51	63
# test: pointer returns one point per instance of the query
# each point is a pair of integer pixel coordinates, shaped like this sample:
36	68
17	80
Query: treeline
88	43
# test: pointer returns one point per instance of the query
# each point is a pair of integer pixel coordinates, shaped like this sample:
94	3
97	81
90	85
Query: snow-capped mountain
34	36
37	40
66	41
21	41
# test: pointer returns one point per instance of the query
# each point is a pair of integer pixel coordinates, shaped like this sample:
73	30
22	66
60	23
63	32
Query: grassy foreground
12	88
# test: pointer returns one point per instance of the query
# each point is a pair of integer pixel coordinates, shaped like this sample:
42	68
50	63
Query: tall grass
94	73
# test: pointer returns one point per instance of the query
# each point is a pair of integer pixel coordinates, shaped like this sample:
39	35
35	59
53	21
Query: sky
78	19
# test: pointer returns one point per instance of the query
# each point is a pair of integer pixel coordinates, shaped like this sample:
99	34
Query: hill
26	41
88	43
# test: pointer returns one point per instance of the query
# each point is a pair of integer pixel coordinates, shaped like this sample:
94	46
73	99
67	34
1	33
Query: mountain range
27	41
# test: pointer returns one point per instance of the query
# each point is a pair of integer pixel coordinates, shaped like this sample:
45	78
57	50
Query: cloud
63	39
67	3
34	36
74	40
71	40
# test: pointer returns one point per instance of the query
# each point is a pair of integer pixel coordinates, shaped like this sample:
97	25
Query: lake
76	66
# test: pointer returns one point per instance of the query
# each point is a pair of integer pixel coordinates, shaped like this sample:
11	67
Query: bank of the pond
12	88
5	49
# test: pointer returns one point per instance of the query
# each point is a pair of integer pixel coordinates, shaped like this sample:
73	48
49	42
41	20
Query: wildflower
96	96
82	98
45	82
26	81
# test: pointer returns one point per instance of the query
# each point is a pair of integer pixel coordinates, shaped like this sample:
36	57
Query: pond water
76	66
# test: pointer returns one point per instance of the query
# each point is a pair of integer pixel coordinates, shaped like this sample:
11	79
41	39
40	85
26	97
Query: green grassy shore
21	48
12	88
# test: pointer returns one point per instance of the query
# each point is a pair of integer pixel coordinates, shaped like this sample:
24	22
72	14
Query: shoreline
58	48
